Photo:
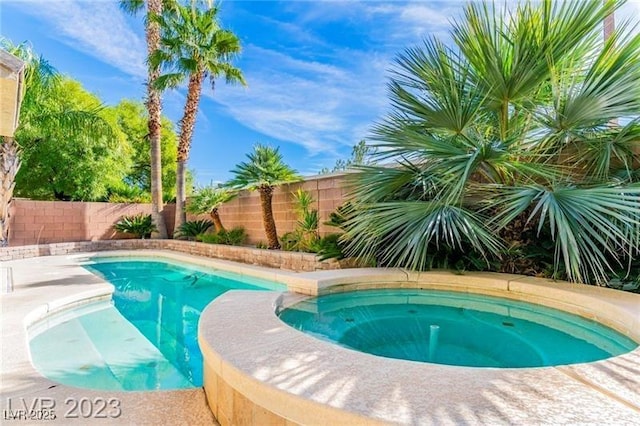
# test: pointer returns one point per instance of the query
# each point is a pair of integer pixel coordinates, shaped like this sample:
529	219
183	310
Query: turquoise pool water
146	338
455	329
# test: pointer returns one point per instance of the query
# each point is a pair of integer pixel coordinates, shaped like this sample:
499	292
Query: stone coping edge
255	372
295	261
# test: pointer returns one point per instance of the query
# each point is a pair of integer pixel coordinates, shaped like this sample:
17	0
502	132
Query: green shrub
235	237
139	225
291	241
339	217
190	230
328	247
306	233
128	194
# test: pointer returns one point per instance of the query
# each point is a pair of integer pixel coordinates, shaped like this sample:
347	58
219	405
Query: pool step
102	350
132	358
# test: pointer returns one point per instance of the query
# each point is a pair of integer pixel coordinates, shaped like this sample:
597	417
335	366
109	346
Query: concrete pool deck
272	363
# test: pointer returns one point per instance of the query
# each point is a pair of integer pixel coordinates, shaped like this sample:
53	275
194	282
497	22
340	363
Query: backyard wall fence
45	222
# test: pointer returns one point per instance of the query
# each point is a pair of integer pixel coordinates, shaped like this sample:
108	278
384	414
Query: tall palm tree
208	200
264	171
193	47
154	107
512	125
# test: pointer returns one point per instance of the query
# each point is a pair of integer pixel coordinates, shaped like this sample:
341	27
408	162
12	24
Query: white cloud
321	107
97	28
630	12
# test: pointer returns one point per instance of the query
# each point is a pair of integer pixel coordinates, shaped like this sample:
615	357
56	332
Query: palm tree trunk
609	26
154	106
217	223
266	193
186	134
181	215
9	166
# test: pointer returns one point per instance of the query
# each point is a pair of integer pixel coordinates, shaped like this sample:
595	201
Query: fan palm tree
512	125
193	47
154	107
208	200
37	114
264	171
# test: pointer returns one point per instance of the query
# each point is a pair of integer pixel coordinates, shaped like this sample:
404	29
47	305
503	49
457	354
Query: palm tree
193	47
263	172
208	200
154	108
39	113
510	128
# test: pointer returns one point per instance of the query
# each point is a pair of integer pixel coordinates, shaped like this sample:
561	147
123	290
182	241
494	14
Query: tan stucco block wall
42	222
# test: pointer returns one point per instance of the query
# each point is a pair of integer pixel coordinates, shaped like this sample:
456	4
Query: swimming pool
146	338
455	329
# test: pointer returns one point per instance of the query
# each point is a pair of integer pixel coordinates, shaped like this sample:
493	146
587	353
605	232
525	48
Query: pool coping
271	367
44	285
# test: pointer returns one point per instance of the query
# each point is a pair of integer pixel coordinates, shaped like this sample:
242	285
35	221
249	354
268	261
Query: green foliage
361	155
192	41
74	148
131	120
192	229
514	127
334	246
328	247
305	235
265	168
291	241
339	217
208	198
263	172
234	237
70	147
308	218
139	225
124	193
261	245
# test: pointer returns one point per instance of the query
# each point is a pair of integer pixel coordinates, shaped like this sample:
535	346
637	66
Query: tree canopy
131	120
75	148
71	149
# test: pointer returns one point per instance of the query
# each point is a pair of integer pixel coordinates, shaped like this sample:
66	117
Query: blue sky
316	70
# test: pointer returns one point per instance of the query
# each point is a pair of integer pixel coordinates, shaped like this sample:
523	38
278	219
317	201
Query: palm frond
132	7
403	233
208	198
591	227
265	168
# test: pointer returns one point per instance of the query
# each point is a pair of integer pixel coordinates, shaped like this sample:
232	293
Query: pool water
455	329
146	338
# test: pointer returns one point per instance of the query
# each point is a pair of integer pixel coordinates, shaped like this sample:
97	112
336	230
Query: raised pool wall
279	259
273	374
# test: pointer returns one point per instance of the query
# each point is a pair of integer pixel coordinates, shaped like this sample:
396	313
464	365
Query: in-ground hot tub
455	328
271	373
